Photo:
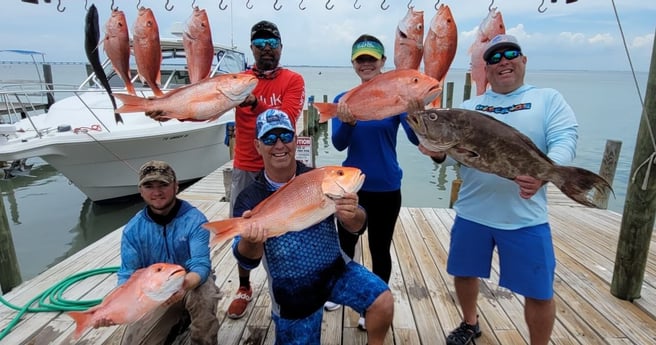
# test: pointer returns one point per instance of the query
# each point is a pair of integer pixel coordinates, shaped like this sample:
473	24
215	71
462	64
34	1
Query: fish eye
340	172
415	80
432	116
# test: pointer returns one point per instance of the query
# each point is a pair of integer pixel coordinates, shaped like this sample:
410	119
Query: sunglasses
260	43
272	138
365	58
509	54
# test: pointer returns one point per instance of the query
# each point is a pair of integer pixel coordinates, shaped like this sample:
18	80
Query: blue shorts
527	262
357	288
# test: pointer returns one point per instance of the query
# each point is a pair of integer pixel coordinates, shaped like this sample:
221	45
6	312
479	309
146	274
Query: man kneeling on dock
169	230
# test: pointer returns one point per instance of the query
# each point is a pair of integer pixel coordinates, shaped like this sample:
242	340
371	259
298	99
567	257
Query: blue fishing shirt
302	265
183	241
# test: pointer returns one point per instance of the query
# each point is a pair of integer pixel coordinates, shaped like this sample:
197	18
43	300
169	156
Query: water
51	219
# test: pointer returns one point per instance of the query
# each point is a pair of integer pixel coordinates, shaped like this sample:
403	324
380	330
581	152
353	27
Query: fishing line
52	299
652	157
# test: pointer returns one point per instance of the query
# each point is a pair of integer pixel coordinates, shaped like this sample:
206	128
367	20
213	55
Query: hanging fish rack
278	4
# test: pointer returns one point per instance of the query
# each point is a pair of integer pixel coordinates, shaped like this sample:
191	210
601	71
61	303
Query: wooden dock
425	307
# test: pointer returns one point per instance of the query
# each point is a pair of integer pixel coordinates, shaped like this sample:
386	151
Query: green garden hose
51	300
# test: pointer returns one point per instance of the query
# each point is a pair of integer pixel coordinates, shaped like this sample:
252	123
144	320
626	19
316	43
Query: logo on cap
271	119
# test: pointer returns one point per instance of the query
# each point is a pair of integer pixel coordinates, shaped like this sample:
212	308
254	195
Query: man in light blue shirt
510	215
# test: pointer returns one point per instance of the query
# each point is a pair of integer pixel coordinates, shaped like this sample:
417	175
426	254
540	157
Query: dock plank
585	242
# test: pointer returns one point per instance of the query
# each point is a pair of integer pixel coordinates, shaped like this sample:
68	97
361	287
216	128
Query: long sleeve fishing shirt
544	116
182	241
371	147
302	265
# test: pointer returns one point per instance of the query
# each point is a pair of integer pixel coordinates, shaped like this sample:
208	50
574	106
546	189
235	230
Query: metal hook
138	4
383	7
542	9
249	5
111	7
356	6
193	3
329	7
302	8
222	7
278	7
489	8
166	6
409	2
86	5
437	3
60	8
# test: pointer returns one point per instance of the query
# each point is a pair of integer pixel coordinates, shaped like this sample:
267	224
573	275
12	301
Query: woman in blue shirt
371	147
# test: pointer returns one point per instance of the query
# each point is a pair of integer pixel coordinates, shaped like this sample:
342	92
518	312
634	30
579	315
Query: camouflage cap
156	171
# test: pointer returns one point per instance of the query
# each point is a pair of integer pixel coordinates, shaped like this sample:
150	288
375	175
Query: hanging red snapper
440	47
117	47
198	47
491	26
147	49
409	41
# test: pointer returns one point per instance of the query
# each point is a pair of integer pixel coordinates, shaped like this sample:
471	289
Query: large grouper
484	143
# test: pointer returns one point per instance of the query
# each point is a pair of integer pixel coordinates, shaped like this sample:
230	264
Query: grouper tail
581	185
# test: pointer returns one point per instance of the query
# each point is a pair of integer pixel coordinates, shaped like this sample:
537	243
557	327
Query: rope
87	129
651	159
52	299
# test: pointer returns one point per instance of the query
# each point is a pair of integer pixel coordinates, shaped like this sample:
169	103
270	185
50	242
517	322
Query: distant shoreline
297	66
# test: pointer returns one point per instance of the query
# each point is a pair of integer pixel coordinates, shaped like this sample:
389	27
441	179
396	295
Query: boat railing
17	102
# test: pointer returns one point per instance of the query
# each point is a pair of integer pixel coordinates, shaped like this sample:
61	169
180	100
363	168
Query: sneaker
238	306
464	334
330	306
361	325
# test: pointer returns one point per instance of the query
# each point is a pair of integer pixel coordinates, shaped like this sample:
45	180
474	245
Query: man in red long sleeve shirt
277	88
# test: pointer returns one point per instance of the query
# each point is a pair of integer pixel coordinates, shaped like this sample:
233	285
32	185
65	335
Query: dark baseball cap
265	29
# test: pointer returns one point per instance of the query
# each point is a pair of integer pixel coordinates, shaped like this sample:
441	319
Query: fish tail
326	111
223	229
117	117
582	185
82	322
131	104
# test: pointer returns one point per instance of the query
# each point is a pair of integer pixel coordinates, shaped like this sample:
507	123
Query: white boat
79	137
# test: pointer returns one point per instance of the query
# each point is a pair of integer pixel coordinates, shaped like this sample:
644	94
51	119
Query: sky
584	35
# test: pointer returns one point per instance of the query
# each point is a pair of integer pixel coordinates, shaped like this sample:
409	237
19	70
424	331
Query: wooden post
9	271
640	206
455	188
607	169
449	94
47	76
467	88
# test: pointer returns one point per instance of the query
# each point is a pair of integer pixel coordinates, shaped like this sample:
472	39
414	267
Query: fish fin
223	230
326	111
117	117
581	185
131	104
82	322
